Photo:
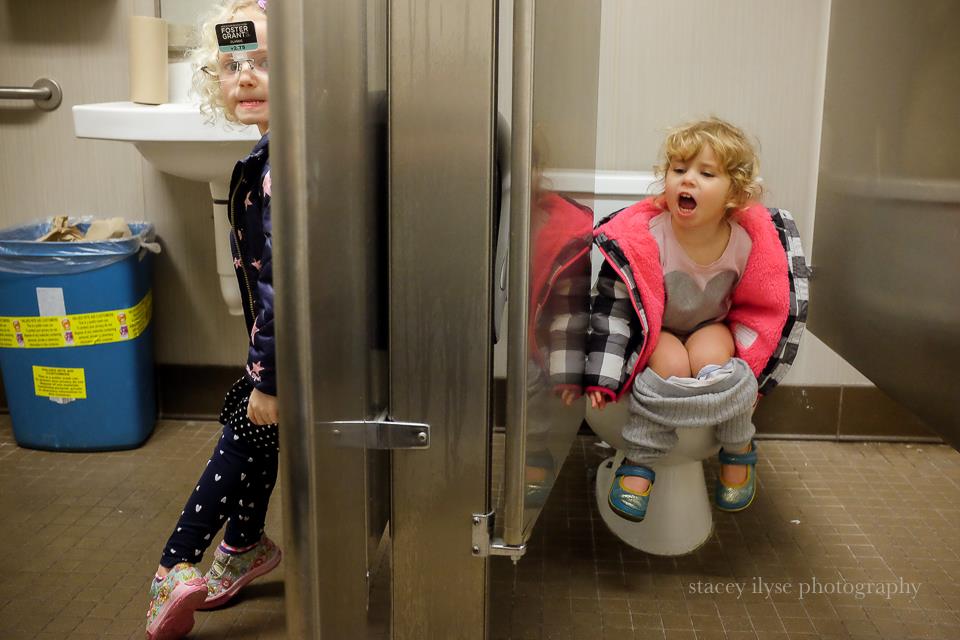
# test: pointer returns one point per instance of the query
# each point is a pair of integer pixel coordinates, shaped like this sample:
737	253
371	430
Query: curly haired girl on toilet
700	302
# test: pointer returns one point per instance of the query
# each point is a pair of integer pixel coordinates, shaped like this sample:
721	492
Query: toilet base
679	517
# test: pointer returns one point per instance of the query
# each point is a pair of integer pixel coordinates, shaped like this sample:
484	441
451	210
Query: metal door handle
381	432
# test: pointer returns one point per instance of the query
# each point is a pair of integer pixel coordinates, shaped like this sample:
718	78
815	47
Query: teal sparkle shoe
230	573
539	475
173	601
626	503
738	497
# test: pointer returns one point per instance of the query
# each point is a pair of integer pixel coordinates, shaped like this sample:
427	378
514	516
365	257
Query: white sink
172	137
176	139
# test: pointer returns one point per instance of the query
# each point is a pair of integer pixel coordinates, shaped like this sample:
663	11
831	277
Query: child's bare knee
711	345
670	357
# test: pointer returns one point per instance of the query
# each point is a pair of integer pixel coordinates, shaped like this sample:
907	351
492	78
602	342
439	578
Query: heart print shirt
696	294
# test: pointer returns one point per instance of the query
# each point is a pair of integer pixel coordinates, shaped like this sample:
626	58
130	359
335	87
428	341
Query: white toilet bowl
679	515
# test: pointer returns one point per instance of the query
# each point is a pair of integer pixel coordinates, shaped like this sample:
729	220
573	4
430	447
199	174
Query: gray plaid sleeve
799	273
570	313
609	332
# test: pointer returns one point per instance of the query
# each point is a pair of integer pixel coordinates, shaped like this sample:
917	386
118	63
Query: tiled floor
82	532
828	517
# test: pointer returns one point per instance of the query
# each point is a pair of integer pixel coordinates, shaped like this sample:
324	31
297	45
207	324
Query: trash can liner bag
20	251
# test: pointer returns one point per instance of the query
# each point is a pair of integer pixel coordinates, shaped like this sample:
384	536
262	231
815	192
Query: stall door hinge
486	544
381	432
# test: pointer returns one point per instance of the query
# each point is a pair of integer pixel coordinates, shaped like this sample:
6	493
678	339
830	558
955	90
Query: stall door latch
486	544
381	432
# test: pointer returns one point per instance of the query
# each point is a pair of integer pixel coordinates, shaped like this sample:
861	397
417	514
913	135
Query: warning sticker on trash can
78	330
58	382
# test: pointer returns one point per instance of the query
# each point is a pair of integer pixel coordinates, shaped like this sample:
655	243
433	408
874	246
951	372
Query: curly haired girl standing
234	488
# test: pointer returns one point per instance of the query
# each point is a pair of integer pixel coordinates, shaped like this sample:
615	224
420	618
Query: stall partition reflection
561	231
554	110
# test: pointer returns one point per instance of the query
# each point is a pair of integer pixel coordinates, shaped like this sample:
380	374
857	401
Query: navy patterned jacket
251	245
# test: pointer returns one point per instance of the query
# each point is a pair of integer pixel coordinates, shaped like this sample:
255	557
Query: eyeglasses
230	70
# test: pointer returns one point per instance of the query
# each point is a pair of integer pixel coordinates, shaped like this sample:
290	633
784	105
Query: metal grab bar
45	93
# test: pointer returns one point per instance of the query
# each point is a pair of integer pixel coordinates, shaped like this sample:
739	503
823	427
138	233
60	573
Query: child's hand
597	400
262	408
567	396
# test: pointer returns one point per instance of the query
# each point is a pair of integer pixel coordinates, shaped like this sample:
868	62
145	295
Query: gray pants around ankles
659	407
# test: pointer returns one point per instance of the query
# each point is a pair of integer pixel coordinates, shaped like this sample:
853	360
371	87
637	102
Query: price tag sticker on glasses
236	37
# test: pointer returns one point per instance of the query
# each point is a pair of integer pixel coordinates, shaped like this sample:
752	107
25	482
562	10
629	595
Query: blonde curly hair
207	54
734	151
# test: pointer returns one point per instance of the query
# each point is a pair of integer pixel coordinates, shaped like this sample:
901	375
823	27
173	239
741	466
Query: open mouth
686	202
251	104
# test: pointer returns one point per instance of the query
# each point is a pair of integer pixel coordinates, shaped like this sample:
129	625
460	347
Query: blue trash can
76	339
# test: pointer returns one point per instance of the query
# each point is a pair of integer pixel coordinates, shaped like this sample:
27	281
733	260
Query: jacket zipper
236	241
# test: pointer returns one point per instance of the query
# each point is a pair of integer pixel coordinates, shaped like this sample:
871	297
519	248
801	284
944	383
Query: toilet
680	512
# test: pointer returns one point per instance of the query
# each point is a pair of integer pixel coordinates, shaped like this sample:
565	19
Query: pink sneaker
173	601
231	572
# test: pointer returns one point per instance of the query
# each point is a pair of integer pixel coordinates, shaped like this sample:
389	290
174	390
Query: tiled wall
758	63
838	413
45	170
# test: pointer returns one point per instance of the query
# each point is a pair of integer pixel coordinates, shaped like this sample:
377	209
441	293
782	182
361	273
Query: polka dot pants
234	488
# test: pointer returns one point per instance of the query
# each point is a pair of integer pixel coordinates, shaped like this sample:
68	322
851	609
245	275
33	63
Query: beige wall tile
44	169
757	63
193	325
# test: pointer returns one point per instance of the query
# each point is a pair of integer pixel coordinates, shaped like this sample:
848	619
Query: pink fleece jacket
760	301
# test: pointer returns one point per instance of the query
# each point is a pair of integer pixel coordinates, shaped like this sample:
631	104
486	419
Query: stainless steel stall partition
331	304
885	292
388	186
554	115
442	96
